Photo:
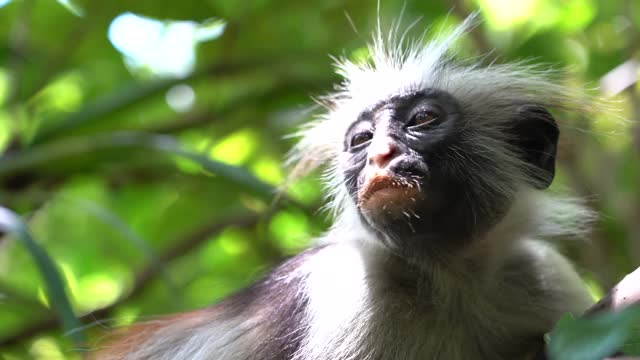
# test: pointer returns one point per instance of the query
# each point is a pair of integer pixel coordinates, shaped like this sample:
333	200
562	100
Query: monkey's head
429	153
427	169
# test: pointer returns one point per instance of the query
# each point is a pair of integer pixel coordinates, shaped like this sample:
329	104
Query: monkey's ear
536	136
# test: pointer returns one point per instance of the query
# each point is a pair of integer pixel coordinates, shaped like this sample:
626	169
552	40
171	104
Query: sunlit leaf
577	14
236	148
46	348
98	290
501	14
268	170
595	289
233	243
63	95
4	84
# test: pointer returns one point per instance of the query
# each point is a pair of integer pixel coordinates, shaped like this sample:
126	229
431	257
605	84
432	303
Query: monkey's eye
360	138
424	117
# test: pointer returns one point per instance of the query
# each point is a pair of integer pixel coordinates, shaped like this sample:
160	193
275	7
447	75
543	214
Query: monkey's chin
390	202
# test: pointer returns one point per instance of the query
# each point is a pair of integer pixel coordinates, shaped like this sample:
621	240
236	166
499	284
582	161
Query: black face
413	170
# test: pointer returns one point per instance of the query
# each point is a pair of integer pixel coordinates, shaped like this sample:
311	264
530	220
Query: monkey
435	175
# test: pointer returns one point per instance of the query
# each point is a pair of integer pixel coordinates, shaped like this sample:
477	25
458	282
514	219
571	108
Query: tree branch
622	295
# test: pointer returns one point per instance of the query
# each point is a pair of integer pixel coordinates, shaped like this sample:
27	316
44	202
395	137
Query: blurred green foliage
597	336
141	142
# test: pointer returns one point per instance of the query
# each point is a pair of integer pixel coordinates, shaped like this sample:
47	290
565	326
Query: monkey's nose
381	153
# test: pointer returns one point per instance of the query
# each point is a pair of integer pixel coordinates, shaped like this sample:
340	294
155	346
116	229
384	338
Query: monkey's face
416	173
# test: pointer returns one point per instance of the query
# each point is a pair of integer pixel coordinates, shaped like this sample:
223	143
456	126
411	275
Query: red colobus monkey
435	173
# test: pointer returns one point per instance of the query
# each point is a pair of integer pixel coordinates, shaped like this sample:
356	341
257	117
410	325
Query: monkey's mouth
386	192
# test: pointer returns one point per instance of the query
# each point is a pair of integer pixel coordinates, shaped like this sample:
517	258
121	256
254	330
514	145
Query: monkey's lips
383	192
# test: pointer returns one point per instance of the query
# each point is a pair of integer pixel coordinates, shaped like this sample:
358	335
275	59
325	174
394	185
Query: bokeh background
141	144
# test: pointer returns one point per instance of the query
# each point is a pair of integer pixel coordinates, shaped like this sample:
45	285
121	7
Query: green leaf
594	337
56	293
632	345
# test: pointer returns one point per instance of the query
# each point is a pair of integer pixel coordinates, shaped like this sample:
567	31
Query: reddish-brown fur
125	340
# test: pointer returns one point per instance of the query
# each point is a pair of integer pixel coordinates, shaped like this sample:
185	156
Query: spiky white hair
492	93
